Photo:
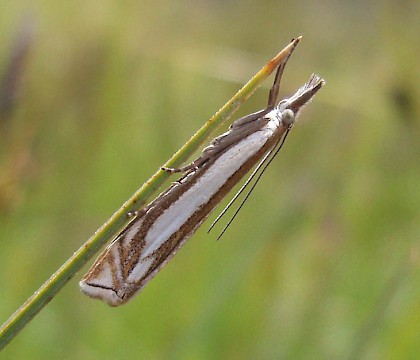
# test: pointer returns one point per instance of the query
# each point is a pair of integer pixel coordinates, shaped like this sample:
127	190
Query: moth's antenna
302	96
255	183
243	187
272	99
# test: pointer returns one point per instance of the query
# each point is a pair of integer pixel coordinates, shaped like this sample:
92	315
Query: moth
160	229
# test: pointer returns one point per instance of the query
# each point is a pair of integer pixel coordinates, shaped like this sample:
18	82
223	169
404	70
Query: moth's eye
287	117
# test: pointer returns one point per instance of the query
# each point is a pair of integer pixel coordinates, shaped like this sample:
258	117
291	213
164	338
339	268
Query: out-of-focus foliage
324	260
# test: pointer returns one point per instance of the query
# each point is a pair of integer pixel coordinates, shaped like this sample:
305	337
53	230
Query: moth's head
289	108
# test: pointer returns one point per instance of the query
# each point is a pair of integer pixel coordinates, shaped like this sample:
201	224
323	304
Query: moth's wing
107	278
239	130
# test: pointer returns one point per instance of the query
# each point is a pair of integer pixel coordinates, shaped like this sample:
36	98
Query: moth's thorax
275	118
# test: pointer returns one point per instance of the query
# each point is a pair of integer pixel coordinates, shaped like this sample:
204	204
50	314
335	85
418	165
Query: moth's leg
137	213
247	119
190	167
179	169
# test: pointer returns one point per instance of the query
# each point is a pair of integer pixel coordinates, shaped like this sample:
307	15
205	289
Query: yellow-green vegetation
323	262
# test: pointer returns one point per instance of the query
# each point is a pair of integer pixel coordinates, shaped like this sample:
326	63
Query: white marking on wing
133	231
140	269
201	192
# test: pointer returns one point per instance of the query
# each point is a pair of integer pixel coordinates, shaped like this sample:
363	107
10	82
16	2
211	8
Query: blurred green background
323	262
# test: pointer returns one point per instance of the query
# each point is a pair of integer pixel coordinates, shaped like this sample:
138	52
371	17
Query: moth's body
152	238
